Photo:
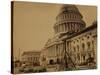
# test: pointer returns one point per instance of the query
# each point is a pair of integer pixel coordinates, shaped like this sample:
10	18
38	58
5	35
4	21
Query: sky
33	24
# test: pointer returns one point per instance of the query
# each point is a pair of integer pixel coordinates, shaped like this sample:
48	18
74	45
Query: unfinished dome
69	20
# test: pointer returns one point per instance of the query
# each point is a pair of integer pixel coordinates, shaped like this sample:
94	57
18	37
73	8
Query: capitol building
74	45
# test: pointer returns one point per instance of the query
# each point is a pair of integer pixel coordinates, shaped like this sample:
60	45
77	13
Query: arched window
88	37
82	38
78	56
65	16
83	57
74	49
88	44
77	47
51	62
83	46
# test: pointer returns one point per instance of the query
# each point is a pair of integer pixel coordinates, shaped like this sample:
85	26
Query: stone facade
73	41
31	58
82	45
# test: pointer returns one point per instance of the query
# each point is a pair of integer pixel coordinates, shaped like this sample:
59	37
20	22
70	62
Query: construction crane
68	58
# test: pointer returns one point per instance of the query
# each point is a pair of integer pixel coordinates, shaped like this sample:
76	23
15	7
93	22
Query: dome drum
69	27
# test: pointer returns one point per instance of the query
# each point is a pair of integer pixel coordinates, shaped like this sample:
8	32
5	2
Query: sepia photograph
51	37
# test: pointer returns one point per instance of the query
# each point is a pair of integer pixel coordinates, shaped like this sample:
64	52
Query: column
75	27
68	27
71	26
56	29
51	50
61	48
80	51
62	51
62	27
79	27
54	50
65	26
59	28
58	50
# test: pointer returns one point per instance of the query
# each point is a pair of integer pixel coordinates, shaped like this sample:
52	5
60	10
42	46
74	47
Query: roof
31	52
69	8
